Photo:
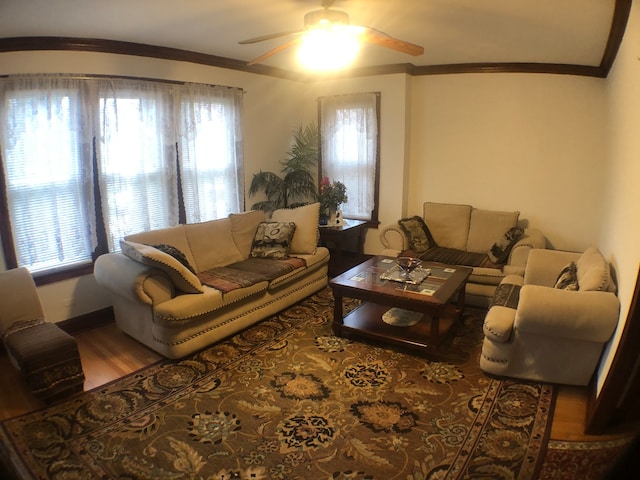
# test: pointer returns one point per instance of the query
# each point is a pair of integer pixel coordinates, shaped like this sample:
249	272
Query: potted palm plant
297	185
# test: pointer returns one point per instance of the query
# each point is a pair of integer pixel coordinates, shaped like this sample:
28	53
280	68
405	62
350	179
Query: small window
349	148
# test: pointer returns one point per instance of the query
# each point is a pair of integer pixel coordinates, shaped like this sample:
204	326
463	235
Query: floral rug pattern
286	399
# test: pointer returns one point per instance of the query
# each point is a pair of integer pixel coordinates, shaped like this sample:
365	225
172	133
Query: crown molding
616	34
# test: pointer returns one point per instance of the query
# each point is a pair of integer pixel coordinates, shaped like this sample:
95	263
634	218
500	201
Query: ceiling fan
328	18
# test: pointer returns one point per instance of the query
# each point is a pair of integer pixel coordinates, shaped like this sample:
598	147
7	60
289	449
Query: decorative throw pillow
180	275
175	253
418	234
568	278
499	251
273	240
305	239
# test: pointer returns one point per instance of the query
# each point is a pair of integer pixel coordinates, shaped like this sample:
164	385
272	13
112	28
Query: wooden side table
346	244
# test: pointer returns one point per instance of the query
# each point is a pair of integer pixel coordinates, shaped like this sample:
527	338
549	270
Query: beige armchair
545	326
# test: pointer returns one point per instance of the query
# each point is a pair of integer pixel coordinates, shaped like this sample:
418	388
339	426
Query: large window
155	154
350	150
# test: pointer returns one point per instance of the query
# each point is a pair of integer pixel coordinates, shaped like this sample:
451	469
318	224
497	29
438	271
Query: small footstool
47	356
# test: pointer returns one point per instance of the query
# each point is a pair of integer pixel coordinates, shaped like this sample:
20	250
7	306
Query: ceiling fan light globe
325	16
328	49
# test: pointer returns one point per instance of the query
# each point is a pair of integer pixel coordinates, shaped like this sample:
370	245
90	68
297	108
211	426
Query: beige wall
533	143
620	232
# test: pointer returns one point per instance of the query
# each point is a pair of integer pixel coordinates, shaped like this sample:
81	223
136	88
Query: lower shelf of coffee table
366	321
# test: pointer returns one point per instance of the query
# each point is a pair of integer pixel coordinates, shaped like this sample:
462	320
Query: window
350	150
67	142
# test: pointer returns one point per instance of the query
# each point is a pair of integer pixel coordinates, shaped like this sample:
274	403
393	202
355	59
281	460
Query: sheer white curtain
349	133
136	157
46	136
211	151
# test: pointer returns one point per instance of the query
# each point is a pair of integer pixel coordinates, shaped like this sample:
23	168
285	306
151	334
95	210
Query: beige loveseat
180	289
552	323
463	235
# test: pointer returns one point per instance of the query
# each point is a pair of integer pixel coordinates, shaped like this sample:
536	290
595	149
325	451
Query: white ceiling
571	32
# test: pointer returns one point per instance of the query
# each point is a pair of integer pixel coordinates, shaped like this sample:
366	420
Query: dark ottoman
47	356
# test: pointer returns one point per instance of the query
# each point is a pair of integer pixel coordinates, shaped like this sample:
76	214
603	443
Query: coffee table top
373	277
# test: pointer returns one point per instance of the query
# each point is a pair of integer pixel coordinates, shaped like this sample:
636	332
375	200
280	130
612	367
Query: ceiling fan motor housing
325	16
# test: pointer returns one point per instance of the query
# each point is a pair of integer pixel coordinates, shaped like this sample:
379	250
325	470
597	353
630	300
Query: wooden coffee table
439	297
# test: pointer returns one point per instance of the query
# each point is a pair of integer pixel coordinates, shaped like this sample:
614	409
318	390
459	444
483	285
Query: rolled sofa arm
393	240
130	279
588	316
519	255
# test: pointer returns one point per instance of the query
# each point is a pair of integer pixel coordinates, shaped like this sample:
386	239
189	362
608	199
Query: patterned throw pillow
418	234
182	278
175	253
568	278
499	251
273	240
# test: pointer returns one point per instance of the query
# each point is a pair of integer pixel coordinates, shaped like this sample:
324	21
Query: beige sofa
464	235
236	278
552	323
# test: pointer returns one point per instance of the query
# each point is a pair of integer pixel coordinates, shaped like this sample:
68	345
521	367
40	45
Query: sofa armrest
519	255
586	316
133	280
393	238
544	266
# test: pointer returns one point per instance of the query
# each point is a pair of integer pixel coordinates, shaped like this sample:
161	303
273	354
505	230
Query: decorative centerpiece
408	265
331	196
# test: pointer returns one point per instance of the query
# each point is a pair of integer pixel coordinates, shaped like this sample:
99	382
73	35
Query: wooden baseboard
87	321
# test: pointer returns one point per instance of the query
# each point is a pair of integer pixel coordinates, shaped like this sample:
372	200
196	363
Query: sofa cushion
174	236
418	234
568	278
305	239
449	224
486	226
243	228
499	251
452	256
593	271
175	253
212	244
273	240
181	277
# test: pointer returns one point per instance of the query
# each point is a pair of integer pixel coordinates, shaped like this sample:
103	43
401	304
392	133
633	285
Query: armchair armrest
393	240
588	316
133	280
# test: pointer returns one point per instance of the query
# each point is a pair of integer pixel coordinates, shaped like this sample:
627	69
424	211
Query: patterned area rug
286	399
594	460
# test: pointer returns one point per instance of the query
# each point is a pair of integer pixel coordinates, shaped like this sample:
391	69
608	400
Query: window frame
374	221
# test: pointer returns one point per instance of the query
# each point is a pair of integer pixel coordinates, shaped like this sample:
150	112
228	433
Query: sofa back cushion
449	224
174	236
488	227
243	228
306	218
212	244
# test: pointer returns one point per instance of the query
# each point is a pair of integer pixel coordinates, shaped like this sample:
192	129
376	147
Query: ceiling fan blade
273	51
377	37
270	37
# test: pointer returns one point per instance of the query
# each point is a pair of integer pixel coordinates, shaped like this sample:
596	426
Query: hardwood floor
108	354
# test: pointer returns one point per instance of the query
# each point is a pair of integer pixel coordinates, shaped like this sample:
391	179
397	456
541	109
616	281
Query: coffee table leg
337	312
435	328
